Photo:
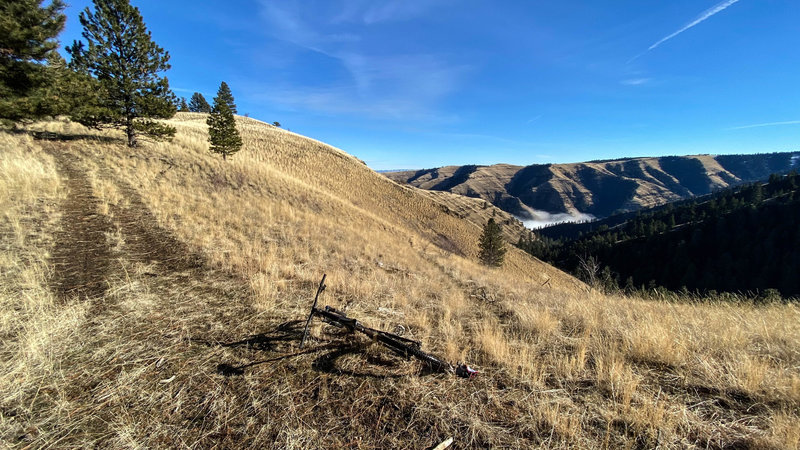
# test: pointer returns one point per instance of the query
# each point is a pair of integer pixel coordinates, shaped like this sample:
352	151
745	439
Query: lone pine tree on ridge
222	133
492	246
225	95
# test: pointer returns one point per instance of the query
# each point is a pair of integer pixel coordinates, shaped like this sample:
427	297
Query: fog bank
543	219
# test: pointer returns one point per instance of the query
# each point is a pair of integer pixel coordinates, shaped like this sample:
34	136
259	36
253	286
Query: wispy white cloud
286	24
380	83
534	119
716	9
399	102
706	15
767	124
370	12
635	81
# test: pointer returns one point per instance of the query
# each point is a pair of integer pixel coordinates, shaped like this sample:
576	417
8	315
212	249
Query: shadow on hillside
61	137
328	363
230	370
285	332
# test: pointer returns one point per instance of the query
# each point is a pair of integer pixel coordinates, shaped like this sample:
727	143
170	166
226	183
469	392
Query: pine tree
67	92
492	245
28	34
226	95
222	133
123	58
182	105
199	104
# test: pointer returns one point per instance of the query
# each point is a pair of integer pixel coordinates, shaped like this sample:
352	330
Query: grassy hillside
129	276
600	188
478	212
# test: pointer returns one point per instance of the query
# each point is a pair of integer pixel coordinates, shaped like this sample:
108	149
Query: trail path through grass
82	256
158	310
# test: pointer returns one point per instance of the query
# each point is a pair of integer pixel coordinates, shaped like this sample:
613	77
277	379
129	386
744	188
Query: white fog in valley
543	219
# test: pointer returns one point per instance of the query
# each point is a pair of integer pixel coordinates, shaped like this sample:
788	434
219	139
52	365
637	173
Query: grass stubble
214	263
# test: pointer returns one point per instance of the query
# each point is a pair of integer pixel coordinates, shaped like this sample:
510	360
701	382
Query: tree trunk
224	156
131	134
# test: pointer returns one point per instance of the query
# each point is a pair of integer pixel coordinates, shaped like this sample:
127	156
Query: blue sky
412	84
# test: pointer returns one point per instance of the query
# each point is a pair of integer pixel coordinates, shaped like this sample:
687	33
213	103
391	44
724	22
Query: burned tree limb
313	307
402	346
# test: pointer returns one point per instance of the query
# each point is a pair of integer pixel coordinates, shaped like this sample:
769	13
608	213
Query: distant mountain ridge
600	188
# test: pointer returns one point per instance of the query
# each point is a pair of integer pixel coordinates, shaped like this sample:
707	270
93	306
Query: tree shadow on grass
62	137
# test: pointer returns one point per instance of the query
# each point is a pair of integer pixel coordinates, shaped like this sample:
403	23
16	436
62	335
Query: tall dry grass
39	333
561	366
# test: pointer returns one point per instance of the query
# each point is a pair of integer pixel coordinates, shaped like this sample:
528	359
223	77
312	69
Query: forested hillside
737	240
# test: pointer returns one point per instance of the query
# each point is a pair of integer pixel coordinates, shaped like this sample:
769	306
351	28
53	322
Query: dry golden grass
479	212
36	329
561	366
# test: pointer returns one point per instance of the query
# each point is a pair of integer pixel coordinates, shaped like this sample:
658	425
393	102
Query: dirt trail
82	256
157	312
86	264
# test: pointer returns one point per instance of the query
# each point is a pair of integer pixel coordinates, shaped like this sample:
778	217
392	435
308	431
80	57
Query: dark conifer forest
738	240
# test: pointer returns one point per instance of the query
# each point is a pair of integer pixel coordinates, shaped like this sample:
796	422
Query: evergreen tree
126	62
492	245
182	106
68	92
199	104
222	133
226	96
28	34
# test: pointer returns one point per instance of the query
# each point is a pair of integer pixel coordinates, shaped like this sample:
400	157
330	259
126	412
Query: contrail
707	14
719	8
769	124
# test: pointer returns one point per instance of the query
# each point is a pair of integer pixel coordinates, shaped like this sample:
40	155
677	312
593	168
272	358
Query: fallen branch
402	346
